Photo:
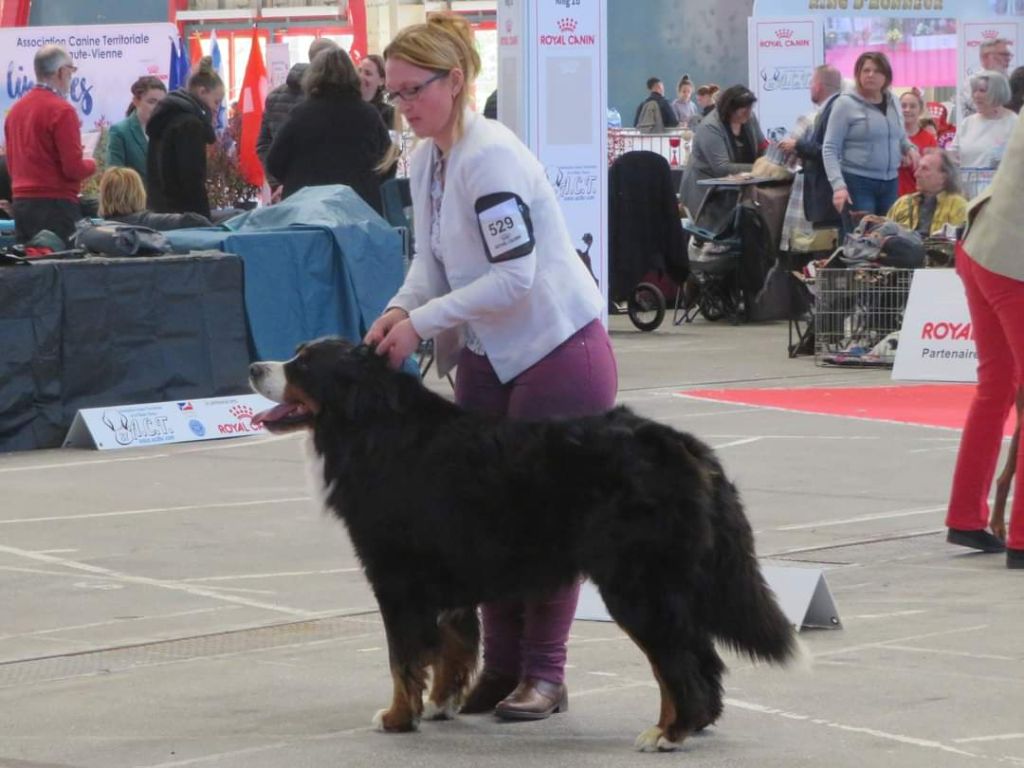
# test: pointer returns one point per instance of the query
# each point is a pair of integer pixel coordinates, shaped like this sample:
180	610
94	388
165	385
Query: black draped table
96	332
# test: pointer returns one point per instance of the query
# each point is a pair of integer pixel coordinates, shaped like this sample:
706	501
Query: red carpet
932	405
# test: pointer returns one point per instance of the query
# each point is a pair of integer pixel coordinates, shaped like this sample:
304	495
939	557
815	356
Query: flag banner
250	102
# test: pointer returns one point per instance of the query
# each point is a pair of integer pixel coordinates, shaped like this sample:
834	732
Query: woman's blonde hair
445	42
121	192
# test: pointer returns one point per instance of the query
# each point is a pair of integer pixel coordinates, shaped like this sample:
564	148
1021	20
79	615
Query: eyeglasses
72	67
412	92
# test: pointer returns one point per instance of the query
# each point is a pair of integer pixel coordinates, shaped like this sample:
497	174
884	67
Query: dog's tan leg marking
452	670
407	701
666	736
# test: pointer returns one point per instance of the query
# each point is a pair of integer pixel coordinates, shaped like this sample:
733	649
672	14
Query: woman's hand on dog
383	324
399	337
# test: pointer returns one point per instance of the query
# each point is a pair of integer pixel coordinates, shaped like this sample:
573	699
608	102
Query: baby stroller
646	245
730	252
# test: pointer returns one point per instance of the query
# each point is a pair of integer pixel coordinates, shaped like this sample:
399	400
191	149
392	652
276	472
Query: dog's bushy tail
742	610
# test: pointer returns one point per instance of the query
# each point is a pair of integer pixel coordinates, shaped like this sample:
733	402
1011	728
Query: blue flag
173	73
220	120
184	67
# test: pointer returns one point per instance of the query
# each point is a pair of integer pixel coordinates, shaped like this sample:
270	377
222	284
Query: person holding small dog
499	287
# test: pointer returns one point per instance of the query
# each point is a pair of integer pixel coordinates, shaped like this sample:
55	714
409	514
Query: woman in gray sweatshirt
865	142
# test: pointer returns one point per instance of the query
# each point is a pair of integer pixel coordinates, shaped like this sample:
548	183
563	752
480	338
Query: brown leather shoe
533	699
490	688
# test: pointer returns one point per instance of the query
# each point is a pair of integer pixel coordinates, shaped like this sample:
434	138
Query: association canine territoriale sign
109	59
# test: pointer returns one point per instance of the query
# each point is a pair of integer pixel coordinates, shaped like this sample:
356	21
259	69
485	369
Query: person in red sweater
44	151
912	106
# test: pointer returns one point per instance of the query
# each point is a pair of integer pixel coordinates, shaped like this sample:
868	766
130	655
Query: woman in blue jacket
866	143
498	285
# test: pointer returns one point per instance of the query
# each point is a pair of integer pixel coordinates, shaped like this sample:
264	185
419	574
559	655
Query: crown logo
241	411
567	25
508	26
990	34
784	33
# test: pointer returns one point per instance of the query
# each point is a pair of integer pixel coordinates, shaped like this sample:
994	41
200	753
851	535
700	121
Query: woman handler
498	285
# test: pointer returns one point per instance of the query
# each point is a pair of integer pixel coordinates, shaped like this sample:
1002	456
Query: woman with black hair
371	85
727	141
179	131
333	137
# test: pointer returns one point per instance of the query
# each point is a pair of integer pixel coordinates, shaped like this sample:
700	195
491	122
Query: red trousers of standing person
996	303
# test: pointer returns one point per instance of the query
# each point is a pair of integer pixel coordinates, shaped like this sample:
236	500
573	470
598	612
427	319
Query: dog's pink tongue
276	413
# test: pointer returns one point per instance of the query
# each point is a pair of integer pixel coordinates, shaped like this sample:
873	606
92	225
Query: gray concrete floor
190	606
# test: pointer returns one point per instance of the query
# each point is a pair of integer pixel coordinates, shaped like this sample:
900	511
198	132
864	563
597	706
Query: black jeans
33	214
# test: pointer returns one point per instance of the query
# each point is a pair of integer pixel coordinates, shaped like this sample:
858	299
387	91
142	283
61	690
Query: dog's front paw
653	739
444	711
387	721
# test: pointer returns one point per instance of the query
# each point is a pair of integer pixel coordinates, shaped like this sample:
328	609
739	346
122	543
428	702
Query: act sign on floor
175	421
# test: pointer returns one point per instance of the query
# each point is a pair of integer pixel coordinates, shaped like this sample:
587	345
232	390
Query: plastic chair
396	201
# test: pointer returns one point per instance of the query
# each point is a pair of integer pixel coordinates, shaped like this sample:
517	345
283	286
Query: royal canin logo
567	34
990	34
942	331
783	37
243	425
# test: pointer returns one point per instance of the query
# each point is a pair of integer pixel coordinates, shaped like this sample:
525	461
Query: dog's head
325	376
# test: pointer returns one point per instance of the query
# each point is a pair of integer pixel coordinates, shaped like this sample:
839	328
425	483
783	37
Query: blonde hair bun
458	28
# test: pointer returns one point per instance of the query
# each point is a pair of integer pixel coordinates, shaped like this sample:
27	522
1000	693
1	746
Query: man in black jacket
656	93
283	99
826	83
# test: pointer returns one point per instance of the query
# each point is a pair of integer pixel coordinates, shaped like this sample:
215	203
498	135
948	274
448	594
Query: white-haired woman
981	140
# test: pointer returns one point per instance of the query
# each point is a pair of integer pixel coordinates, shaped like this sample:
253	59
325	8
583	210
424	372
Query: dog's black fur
448	509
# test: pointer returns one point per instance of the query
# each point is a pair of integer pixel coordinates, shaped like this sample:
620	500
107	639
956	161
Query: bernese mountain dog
448	509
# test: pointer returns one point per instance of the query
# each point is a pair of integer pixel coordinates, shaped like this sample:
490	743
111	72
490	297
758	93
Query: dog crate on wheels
858	313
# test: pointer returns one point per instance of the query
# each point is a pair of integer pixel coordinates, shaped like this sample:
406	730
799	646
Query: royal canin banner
783	55
936	340
566	62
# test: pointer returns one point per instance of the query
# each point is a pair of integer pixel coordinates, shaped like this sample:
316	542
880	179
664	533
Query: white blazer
520	309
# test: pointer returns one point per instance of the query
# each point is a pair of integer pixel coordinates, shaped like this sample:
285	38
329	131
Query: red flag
250	102
195	50
14	13
360	42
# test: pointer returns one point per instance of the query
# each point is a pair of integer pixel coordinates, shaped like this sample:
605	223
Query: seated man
937	202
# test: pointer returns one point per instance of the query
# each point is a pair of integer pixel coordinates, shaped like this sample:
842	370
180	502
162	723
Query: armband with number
505	226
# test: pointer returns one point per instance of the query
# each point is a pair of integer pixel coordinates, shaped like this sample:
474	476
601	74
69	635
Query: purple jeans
577	378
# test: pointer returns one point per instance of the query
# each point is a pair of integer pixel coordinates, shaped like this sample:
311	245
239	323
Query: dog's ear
365	387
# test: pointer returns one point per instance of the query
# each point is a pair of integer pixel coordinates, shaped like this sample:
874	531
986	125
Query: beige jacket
993	236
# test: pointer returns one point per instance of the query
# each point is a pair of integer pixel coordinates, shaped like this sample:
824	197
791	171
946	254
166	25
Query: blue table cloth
321	263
